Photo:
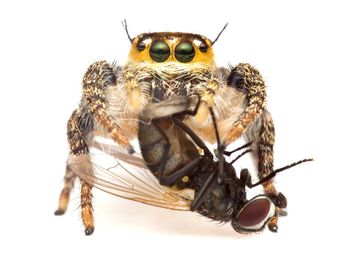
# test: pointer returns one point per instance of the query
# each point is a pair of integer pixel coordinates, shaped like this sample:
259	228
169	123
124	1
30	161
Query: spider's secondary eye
159	51
184	52
255	214
140	46
203	47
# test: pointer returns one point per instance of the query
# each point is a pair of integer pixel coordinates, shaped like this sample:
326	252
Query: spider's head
173	47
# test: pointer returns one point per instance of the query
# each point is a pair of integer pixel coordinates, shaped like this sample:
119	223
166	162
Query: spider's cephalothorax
161	66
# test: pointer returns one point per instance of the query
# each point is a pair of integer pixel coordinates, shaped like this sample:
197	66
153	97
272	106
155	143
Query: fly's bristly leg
98	76
186	170
198	200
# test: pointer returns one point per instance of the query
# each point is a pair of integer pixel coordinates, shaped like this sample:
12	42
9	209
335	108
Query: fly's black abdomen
223	197
161	143
152	144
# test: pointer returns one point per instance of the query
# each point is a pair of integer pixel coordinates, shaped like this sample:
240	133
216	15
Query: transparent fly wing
126	176
112	149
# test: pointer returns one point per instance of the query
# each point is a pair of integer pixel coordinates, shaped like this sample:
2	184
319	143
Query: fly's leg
186	170
78	129
199	198
98	76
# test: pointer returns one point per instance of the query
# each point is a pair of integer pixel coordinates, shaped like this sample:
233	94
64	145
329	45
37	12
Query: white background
300	47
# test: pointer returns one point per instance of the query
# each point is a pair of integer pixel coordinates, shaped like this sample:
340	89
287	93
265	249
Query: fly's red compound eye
254	215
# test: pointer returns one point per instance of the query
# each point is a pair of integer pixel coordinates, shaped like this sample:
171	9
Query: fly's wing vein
128	178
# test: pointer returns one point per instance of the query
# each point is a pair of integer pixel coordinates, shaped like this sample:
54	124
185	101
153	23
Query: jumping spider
161	66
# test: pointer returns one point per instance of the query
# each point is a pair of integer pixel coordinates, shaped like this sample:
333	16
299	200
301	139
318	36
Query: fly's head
251	215
254	215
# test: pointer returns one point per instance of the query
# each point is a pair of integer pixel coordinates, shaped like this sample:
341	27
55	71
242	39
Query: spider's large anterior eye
255	214
184	52
159	51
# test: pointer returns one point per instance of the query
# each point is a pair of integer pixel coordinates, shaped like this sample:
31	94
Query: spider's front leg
256	124
99	76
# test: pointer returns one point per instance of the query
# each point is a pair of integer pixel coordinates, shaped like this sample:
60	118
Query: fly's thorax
225	196
218	204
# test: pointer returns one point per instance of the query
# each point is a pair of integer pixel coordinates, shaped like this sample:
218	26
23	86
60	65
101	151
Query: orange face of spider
172	47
